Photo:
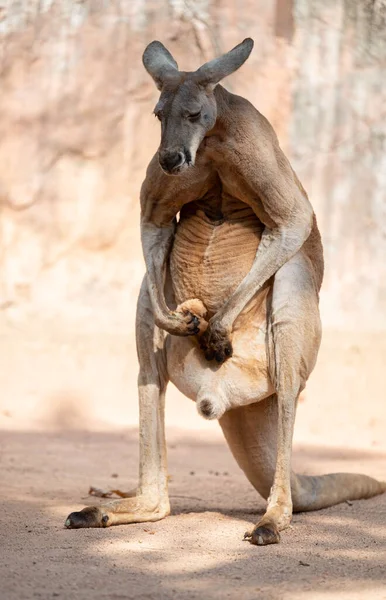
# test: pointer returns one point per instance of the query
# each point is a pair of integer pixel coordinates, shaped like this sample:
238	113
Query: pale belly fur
209	259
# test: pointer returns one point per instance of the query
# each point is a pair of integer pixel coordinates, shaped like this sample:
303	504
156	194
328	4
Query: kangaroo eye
193	116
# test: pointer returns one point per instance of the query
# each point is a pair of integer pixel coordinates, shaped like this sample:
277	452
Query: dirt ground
68	420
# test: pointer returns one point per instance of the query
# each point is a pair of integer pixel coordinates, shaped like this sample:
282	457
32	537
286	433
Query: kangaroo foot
263	534
118	512
91	516
266	531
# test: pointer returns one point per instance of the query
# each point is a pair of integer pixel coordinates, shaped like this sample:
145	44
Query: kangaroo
229	307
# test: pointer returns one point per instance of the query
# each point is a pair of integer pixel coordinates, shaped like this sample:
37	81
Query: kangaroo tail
251	435
313	493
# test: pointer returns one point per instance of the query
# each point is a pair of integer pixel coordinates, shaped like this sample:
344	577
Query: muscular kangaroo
228	310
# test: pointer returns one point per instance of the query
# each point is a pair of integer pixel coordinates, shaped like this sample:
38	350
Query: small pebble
303	564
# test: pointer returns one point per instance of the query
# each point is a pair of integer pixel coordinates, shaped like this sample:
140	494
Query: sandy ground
67	423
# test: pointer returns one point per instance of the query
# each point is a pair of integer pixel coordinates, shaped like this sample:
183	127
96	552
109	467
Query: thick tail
251	434
313	493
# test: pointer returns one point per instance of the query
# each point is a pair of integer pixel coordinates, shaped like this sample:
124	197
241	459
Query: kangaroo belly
212	252
210	257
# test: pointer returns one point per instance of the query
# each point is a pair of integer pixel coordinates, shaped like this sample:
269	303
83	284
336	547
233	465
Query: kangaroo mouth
175	164
175	170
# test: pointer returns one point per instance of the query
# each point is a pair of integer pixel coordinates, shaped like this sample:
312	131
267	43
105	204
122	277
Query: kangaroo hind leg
150	501
294	335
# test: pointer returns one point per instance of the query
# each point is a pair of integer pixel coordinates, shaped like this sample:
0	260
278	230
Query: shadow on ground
197	552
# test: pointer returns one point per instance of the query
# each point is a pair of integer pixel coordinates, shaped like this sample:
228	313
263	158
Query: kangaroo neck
225	119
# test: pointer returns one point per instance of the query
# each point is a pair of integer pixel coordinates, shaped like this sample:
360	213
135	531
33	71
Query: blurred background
76	134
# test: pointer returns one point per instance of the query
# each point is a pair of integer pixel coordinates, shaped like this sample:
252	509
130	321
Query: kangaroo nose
170	161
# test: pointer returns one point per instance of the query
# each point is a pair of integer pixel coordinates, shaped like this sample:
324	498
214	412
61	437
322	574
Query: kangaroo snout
171	161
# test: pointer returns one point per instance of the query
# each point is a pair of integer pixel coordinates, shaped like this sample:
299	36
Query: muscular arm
162	197
285	232
262	176
156	245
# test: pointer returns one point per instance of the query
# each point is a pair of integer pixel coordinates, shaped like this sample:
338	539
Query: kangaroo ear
213	71
159	63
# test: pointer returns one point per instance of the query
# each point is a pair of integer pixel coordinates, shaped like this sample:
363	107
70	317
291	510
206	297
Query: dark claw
193	330
209	354
193	320
263	535
228	350
219	356
193	324
105	520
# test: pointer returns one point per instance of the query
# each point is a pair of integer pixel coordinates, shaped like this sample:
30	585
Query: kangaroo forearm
156	282
275	249
181	323
156	245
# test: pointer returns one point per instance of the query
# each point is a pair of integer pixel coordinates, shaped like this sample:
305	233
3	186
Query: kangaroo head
187	107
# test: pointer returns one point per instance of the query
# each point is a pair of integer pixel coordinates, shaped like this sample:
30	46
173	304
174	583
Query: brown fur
229	307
